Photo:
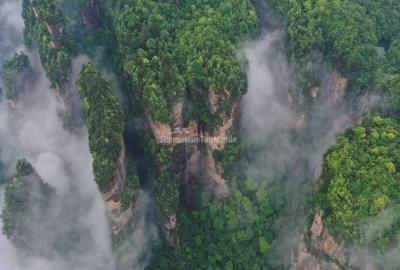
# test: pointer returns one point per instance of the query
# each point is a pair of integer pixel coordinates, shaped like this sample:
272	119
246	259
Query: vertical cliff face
105	122
192	149
318	249
189	87
113	193
205	143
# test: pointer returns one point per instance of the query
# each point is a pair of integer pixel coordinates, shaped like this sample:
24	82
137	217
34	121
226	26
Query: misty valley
199	134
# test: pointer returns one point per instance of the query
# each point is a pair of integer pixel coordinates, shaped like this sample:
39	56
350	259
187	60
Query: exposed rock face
337	89
192	134
171	224
213	99
224	131
170	227
198	161
161	131
305	260
176	133
177	113
215	181
323	251
114	195
53	30
122	220
314	92
325	242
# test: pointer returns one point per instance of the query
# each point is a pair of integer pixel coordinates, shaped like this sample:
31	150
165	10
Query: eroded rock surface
114	195
318	249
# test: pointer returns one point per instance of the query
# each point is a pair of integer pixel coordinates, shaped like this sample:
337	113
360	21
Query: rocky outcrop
192	134
225	131
216	183
213	99
318	249
120	217
323	240
54	30
114	194
121	220
195	161
307	261
314	92
337	88
170	227
177	115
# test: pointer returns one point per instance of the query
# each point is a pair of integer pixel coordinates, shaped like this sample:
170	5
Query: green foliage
105	123
175	50
386	17
167	193
391	80
44	24
234	233
90	22
16	71
159	163
228	158
346	32
49	11
3	176
131	187
361	179
392	57
23	193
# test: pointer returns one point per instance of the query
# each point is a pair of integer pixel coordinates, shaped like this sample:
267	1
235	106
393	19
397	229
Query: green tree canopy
15	73
105	123
45	25
25	195
172	51
361	179
234	233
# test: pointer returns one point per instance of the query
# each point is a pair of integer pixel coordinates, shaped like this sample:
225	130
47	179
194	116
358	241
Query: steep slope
359	191
17	73
45	25
27	199
105	123
180	61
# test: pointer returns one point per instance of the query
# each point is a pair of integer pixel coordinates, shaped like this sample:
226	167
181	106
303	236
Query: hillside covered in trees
212	134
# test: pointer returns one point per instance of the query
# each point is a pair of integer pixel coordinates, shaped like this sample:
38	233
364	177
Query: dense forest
360	180
177	51
152	85
104	120
16	73
45	25
27	197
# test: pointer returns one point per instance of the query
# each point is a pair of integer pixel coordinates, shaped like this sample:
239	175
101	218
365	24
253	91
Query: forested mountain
200	134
